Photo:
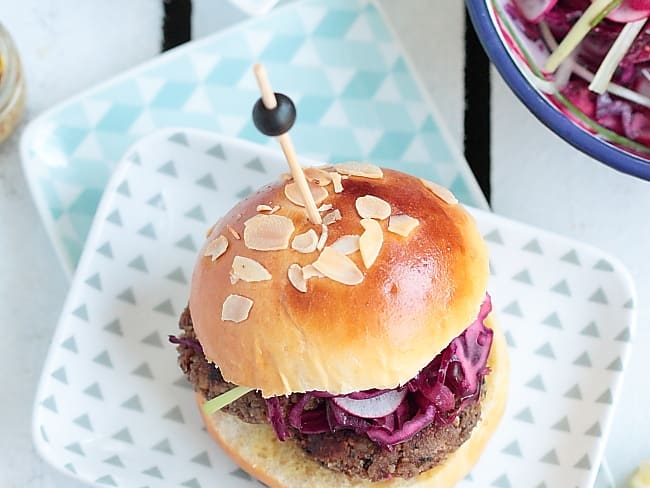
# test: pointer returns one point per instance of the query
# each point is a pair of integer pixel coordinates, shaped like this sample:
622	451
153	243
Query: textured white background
68	45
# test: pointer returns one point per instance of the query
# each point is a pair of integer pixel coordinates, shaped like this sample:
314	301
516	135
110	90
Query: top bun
421	292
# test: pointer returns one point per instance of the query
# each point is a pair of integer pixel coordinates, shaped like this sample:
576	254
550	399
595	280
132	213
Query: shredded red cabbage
187	342
436	395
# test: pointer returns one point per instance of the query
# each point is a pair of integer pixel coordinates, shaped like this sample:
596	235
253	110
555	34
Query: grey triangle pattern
179	138
175	414
562	424
256	165
94	281
534	247
629	304
114	327
133	403
50	404
178	276
605	397
123	189
594	430
70	344
616	365
114	460
513	449
550	458
187	243
583	360
513	308
127	296
81	312
193	483
104	359
502	482
153	471
76	448
494	236
107	479
70	467
525	415
203	459
603	265
84	421
207	181
157	201
169	169
509	339
591	330
163	446
165	307
183	383
241	474
106	250
571	257
60	375
243	193
523	277
94	391
536	383
574	392
598	297
153	339
545	350
148	231
561	287
553	320
44	434
542	485
624	335
217	152
123	435
493	270
583	463
196	213
143	370
115	218
135	159
139	264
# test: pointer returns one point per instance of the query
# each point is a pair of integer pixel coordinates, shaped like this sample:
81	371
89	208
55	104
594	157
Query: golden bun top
379	315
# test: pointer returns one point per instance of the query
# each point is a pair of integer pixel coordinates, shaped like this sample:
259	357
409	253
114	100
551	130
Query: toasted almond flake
346	244
332	217
216	248
306	242
402	224
338	267
365	170
370	241
236	308
296	278
371	207
249	270
323	237
336	180
233	279
318	176
286	176
234	233
209	231
268	232
325	207
268	209
440	191
309	272
292	192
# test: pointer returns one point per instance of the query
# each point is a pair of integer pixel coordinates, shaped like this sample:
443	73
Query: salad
599	62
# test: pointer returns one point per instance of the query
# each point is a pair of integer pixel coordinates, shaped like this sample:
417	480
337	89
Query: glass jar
12	85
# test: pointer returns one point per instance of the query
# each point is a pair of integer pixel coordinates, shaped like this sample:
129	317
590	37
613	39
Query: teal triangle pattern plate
357	97
113	409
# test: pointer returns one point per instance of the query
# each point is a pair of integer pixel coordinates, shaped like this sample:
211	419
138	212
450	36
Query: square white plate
113	408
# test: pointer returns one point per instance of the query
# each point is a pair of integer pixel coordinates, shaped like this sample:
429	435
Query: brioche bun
422	291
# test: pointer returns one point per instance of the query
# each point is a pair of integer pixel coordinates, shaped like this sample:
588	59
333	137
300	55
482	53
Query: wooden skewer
269	101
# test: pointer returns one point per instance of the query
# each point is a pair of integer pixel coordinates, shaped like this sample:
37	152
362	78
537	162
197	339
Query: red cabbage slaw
625	116
437	394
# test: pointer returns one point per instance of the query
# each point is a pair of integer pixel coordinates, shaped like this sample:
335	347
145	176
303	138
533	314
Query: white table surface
68	45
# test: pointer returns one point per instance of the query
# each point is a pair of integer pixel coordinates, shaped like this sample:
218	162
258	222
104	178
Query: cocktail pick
273	115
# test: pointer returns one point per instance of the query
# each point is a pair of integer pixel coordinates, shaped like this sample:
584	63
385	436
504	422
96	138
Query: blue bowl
516	63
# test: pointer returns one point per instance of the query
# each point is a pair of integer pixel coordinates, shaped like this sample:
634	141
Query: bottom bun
256	449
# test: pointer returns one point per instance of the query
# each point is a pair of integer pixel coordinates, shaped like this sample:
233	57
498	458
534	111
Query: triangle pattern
94	391
525	415
133	403
44	434
513	308
502	482
256	165
571	257
94	281
562	424
561	287
81	312
186	243
217	152
178	276
153	339
624	335
153	471
165	307
203	459
143	370
574	392
207	181
123	189
183	383
196	213
50	404
104	359
605	397
513	449
616	365
70	468
123	435
598	297
175	415
107	479
84	421
76	448
583	360
545	350
533	246
114	327
591	330
241	194
629	304
179	138
603	265
550	458
193	483
523	277
536	383
241	474
127	296
114	461
157	201
494	236
70	344
115	218
163	446
60	375
148	231
169	169
106	250
509	339
553	320
139	264
583	463
594	430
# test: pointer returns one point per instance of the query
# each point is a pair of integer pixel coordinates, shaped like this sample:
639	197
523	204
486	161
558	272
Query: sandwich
358	352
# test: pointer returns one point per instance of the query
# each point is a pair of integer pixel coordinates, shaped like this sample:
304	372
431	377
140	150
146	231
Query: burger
356	352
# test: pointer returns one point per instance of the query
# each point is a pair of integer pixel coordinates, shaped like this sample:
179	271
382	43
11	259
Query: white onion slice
375	407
